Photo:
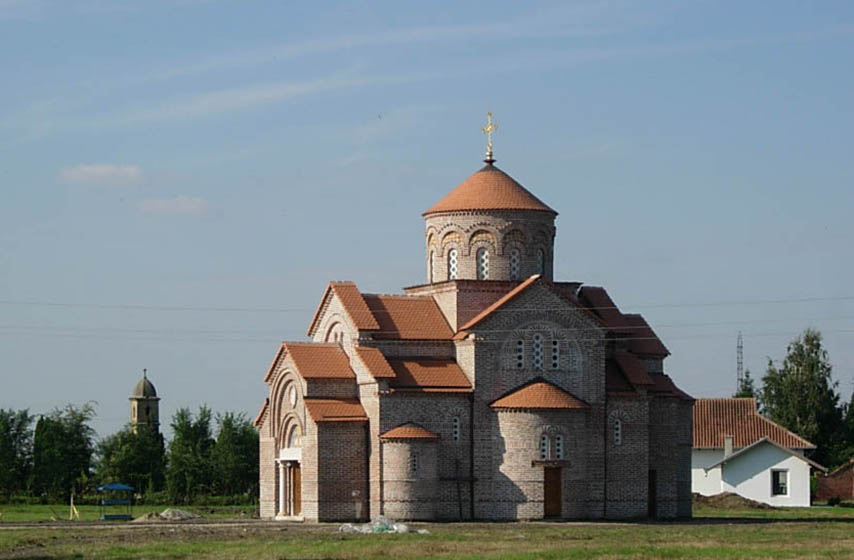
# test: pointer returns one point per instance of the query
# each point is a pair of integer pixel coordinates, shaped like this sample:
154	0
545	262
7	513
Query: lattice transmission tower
739	363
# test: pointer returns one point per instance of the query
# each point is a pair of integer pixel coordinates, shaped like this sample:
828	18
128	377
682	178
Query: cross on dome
488	130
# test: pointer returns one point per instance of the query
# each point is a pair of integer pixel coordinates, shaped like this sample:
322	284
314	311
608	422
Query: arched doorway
290	475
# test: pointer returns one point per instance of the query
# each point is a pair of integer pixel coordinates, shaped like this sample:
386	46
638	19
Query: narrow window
618	432
482	264
538	352
413	463
455	432
515	273
541	261
452	264
559	447
779	483
555	354
544	447
520	354
430	266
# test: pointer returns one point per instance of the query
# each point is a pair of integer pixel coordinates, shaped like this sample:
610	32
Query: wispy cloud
173	206
105	174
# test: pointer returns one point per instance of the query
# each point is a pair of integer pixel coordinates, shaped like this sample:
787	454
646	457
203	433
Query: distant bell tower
144	404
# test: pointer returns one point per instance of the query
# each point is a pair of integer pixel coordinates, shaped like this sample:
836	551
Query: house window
544	447
541	261
559	447
515	272
538	351
413	464
555	354
455	431
520	354
482	264
618	432
452	264
779	483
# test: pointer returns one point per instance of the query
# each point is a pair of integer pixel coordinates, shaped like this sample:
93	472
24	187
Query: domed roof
489	189
144	389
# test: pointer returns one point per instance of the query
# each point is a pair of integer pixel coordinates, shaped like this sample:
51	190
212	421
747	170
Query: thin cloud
186	205
105	174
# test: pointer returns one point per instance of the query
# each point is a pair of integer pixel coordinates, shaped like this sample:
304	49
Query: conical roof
144	389
489	189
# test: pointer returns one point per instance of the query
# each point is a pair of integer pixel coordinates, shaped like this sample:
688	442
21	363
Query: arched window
452	264
537	351
618	432
555	354
482	264
544	447
430	266
515	272
293	437
413	463
541	261
455	431
292	394
520	354
558	447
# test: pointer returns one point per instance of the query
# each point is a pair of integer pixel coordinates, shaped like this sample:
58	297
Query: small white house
738	450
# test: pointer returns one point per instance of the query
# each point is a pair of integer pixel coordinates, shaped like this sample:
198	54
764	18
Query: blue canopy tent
116	504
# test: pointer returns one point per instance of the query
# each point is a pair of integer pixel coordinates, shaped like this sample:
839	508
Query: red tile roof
280	353
429	374
409	431
498	304
665	385
261	414
633	369
539	395
353	303
716	418
335	410
615	379
375	362
315	360
408	318
489	189
598	301
643	340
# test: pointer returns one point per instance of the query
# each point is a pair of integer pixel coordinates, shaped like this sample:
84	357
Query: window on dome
413	463
537	351
482	264
520	354
541	261
452	264
515	272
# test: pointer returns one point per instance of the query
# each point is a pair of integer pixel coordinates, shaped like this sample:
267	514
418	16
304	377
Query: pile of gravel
728	500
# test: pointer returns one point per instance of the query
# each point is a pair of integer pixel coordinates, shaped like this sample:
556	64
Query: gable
714	419
351	302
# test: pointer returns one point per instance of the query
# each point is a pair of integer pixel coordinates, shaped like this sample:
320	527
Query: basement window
779	483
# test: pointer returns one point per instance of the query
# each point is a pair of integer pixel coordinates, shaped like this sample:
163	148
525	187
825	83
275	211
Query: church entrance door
652	499
296	507
552	491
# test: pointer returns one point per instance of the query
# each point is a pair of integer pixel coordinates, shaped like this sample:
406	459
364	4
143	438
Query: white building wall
705	482
750	476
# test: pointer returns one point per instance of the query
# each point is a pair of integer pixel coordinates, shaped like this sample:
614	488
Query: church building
492	391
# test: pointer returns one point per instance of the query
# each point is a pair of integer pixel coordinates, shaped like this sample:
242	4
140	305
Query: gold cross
488	130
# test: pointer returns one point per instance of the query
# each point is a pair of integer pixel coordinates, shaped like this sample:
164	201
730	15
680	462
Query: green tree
133	456
190	471
746	389
16	451
235	455
801	394
63	446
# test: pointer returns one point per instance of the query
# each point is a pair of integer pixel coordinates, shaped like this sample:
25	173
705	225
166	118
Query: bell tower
144	404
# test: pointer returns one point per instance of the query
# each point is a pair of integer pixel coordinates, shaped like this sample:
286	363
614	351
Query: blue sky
179	180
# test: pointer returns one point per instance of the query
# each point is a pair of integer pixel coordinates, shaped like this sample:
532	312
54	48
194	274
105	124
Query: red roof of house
353	303
633	369
716	418
665	385
408	317
643	340
539	395
409	431
315	360
335	410
375	362
427	374
597	300
489	189
498	303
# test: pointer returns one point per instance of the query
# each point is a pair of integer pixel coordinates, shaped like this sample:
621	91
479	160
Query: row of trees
801	395
61	456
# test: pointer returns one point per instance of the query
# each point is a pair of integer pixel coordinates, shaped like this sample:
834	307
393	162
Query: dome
144	389
489	189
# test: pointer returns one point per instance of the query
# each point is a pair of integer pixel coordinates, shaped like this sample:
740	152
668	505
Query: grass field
806	533
37	513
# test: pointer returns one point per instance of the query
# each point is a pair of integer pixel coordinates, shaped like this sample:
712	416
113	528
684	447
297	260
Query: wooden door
297	491
652	499
552	491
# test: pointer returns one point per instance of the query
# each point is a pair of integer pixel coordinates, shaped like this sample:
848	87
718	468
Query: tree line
801	395
208	455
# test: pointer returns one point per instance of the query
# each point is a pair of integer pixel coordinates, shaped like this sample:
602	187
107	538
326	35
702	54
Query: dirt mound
728	500
166	515
147	518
